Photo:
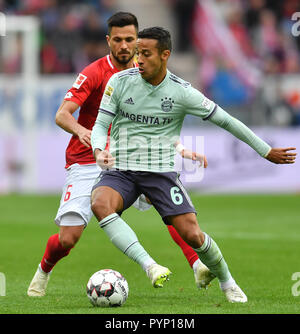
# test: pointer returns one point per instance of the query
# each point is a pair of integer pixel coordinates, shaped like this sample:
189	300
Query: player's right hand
84	136
282	155
104	159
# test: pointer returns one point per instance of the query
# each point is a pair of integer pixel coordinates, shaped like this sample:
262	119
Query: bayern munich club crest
167	104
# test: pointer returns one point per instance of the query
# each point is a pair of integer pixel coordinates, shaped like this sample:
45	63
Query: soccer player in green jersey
146	107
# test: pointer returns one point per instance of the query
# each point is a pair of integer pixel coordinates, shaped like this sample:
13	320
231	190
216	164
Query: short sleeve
85	83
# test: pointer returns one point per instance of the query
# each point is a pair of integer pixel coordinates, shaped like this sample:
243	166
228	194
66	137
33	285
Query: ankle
228	284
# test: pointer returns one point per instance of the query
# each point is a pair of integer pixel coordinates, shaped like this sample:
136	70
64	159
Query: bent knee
67	243
195	238
105	201
69	235
188	228
101	208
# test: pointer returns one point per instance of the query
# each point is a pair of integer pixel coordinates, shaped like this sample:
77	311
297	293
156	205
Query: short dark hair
122	19
162	36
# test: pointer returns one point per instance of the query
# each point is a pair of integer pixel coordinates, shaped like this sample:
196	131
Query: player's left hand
201	158
282	155
188	154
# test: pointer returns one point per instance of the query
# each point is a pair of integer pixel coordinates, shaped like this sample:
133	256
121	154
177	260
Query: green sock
124	238
210	254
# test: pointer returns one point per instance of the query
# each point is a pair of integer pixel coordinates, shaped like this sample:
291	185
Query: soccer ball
107	288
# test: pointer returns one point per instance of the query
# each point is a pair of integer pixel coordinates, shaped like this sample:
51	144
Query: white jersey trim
109	62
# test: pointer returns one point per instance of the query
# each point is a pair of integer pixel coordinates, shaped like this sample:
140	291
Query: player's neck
120	66
155	81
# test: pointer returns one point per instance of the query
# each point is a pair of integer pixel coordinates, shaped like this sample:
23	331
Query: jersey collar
135	64
163	83
110	62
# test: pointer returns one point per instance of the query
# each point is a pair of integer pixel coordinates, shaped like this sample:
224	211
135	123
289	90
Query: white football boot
203	276
38	285
158	275
235	294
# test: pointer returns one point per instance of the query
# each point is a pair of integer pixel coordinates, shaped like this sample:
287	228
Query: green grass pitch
258	235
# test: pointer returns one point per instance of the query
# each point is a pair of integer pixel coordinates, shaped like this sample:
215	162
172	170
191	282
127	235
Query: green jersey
147	120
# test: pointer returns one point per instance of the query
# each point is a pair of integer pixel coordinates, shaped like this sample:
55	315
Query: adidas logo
129	101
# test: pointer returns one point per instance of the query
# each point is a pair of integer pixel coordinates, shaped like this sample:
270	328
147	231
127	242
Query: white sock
196	264
42	271
228	284
147	264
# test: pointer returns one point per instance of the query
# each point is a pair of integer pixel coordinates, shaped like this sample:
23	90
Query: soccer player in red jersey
75	212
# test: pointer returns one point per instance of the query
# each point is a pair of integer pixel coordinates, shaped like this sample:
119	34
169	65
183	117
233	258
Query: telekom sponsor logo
79	80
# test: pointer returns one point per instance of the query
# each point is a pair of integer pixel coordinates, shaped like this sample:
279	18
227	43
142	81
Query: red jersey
87	92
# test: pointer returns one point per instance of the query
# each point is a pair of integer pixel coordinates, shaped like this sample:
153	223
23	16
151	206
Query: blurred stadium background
244	55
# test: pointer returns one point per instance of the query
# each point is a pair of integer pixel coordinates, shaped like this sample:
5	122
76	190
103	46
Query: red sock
187	250
53	253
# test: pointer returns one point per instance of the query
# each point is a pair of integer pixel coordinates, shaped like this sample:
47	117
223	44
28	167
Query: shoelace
236	292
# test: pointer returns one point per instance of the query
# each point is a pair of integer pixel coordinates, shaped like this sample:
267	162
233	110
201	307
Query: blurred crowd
72	31
255	39
262	29
240	43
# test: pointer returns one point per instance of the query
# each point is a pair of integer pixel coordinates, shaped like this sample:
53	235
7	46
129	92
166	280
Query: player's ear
165	55
108	40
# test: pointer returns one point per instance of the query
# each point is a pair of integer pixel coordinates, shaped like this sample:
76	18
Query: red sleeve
85	83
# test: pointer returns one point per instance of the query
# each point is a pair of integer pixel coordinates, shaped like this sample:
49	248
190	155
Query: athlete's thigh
166	193
76	194
114	184
106	200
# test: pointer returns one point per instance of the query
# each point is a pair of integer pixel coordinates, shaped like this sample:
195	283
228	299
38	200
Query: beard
123	59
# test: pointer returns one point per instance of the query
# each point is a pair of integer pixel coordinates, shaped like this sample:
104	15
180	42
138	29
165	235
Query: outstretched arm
276	155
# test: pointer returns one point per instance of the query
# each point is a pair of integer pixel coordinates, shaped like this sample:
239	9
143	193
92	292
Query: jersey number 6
68	193
176	196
